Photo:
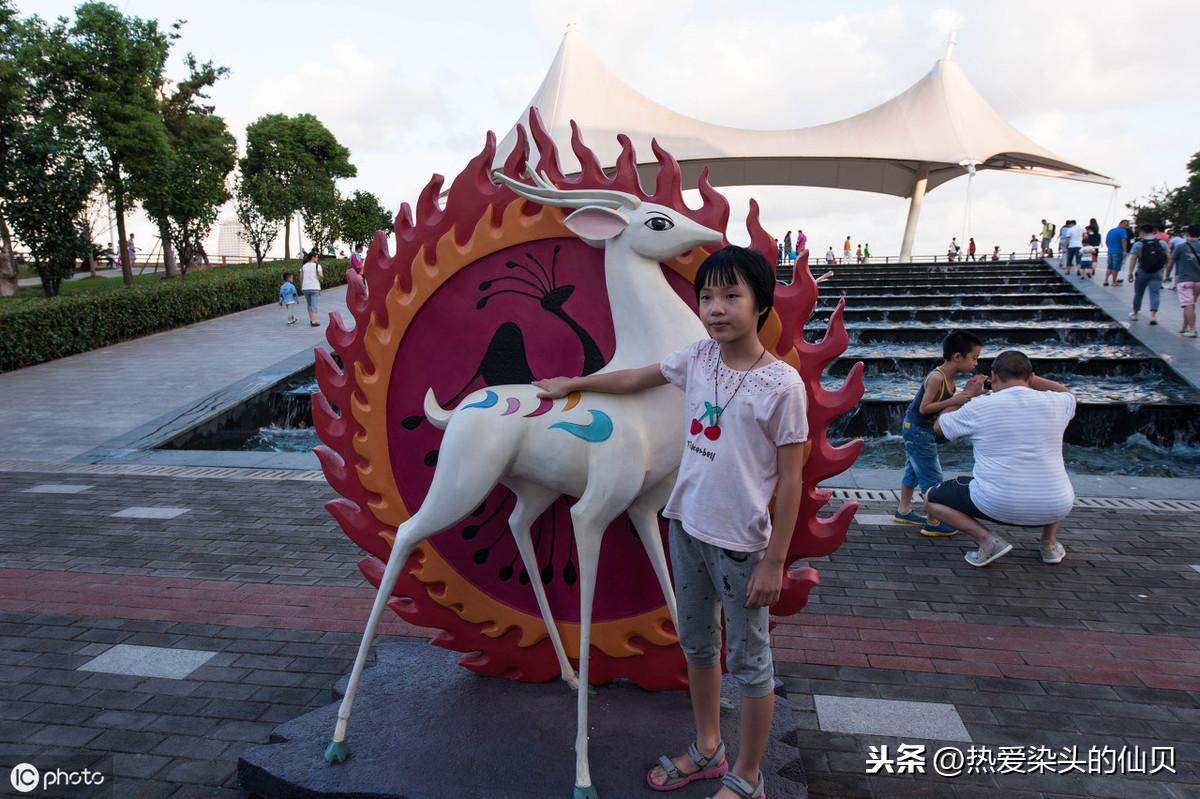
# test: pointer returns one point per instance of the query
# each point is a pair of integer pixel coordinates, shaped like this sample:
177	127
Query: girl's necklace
714	411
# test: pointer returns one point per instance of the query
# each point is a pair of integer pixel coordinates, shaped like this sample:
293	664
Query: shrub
37	329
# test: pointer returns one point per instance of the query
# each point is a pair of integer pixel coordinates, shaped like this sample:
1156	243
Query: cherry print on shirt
711	412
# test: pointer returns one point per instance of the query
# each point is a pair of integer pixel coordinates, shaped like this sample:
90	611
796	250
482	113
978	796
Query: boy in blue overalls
922	469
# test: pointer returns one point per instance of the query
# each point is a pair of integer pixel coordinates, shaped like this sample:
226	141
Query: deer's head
605	216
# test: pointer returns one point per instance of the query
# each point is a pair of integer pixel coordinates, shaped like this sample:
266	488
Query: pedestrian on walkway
830	258
356	286
288	297
953	250
996	254
1048	229
1019	478
1087	261
1148	257
787	242
1117	242
131	249
922	468
866	252
1186	260
801	244
1074	245
858	254
1092	233
971	249
846	250
1176	239
1033	246
310	285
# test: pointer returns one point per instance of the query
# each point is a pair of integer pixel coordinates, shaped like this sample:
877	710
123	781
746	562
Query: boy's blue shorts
922	469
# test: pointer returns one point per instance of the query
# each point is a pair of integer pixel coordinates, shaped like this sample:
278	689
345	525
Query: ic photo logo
25	777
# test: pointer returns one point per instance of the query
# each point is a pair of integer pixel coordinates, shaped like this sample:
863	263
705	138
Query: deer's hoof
585	793
337	752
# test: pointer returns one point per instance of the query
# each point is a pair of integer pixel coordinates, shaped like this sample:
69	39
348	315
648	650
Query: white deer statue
617	453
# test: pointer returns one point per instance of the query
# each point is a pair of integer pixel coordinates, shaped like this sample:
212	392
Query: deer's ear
596	224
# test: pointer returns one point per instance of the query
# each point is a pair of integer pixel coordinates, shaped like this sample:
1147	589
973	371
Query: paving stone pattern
1103	649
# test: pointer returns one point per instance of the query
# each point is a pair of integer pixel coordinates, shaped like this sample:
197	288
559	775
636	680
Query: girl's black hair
726	265
313	254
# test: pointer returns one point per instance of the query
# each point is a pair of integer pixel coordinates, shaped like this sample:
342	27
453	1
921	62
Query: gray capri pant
707	580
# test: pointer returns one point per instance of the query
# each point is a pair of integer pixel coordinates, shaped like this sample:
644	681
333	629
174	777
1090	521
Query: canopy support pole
914	212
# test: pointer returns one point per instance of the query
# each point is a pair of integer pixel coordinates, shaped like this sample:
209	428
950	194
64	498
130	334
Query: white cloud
412	90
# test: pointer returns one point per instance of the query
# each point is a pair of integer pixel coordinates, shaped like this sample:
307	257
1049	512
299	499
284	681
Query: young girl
744	434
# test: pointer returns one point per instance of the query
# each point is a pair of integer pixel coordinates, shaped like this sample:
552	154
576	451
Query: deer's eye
659	223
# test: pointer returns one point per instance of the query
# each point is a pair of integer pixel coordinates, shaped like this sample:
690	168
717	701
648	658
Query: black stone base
424	728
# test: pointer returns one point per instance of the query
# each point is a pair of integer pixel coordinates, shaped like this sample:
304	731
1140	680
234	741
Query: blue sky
411	88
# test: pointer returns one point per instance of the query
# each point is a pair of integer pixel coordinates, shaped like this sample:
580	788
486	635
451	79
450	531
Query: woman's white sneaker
1054	554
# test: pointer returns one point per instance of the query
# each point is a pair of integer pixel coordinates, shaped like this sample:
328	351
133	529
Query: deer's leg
459	485
588	535
644	515
532	502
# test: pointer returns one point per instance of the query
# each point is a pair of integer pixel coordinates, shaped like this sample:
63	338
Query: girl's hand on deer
554	387
765	585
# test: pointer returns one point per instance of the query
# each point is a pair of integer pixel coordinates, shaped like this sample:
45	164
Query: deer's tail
438	416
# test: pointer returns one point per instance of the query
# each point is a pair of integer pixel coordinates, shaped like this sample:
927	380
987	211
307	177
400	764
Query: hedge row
37	330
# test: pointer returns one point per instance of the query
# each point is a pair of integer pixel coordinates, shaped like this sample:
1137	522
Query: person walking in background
1176	239
996	253
830	258
866	252
846	249
356	286
801	244
1047	237
1186	260
858	254
1087	262
288	297
1033	246
971	249
953	250
1117	242
1148	257
310	285
1074	242
787	243
1063	234
131	249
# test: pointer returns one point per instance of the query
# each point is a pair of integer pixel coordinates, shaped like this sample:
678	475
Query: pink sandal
676	779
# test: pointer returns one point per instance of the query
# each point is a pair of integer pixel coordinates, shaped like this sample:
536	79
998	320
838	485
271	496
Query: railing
814	261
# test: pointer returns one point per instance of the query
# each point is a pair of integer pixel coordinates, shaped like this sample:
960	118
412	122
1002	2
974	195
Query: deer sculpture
616	453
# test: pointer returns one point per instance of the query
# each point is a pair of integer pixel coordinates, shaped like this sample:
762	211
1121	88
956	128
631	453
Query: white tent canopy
936	130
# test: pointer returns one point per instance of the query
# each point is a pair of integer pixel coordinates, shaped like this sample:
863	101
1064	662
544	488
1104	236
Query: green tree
258	230
359	216
1171	207
47	175
322	215
12	97
118	62
186	188
292	164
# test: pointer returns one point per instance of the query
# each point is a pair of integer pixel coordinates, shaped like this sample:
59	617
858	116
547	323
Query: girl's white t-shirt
310	277
725	484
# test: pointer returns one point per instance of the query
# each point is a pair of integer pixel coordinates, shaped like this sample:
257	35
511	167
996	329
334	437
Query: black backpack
1153	257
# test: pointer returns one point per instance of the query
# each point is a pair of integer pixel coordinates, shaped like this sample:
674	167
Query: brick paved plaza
253	575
